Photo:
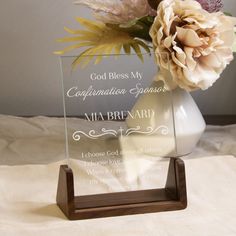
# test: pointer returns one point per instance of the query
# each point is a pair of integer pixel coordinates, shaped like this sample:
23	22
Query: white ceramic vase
176	110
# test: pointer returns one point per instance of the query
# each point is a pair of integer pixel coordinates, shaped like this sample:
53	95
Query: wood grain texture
172	197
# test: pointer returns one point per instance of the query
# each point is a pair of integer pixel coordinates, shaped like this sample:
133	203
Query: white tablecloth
32	149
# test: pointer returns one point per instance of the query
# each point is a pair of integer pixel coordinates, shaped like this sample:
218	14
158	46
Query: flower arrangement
193	40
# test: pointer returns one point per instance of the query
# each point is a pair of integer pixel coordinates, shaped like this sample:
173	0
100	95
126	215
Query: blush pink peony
192	46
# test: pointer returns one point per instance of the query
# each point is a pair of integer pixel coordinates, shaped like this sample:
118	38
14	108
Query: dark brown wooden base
172	197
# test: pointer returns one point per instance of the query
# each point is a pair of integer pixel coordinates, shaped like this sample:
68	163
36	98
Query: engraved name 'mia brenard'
75	92
120	115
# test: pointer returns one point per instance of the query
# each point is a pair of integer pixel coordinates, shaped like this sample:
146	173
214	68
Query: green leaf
138	28
227	14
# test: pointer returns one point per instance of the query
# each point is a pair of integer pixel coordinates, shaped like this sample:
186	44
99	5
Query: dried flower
100	40
197	43
211	5
118	11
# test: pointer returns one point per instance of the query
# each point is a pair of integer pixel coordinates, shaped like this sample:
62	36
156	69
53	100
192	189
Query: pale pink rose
192	46
118	11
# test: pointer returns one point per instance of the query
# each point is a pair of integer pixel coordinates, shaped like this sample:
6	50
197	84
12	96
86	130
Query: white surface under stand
28	192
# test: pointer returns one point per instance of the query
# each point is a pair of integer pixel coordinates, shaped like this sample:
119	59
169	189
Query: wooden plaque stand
172	197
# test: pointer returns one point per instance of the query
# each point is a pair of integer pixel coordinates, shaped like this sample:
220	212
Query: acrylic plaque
119	123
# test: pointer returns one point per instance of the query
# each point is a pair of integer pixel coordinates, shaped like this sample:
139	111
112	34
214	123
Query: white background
30	73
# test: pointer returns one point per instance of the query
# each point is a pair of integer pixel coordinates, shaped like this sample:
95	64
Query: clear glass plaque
119	124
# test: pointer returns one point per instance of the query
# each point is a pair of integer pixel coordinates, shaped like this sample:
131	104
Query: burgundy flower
211	5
